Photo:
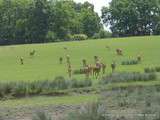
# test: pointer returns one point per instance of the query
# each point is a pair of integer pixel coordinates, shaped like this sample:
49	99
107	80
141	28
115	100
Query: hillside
45	64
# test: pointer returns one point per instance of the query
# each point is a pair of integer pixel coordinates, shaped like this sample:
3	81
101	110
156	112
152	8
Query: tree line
39	21
133	17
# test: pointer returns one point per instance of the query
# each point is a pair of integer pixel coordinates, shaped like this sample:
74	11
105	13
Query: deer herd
88	69
91	69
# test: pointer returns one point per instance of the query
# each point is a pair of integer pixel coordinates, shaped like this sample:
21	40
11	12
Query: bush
79	37
76	37
80	83
130	62
40	115
94	111
152	69
157	69
102	34
59	83
127	77
51	36
20	89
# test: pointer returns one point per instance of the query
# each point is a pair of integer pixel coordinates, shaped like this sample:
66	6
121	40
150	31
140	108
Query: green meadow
45	64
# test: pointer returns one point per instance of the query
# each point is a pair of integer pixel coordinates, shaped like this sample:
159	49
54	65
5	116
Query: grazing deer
70	71
21	60
119	51
32	53
139	58
108	47
113	66
60	60
96	59
103	68
84	62
65	48
68	59
97	69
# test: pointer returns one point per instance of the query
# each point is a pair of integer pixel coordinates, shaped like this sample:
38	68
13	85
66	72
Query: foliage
79	37
102	34
81	83
93	111
127	77
41	115
20	89
131	18
130	62
152	69
50	36
39	21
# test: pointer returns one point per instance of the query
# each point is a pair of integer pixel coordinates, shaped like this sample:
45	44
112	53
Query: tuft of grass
130	62
128	77
21	89
41	115
152	69
93	111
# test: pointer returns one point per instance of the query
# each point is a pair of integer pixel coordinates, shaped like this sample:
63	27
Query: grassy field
45	64
47	101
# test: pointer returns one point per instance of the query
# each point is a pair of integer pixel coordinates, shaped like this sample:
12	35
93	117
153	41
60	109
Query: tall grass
20	89
41	115
152	69
93	111
128	77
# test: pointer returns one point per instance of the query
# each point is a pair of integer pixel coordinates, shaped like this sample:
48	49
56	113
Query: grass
47	101
45	65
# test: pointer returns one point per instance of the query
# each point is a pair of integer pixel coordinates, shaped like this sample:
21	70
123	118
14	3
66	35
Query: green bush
94	111
51	36
41	115
130	62
80	83
127	77
152	69
76	37
20	89
79	37
102	34
157	69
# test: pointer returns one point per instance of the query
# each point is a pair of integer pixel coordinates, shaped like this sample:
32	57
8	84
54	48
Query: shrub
40	115
130	62
76	37
127	77
80	83
149	70
94	111
96	36
157	69
79	37
152	69
59	83
20	89
102	34
51	36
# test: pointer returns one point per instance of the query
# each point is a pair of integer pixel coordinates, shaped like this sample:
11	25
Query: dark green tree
38	21
132	17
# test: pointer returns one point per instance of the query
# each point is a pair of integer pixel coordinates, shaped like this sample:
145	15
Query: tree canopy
38	21
133	17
